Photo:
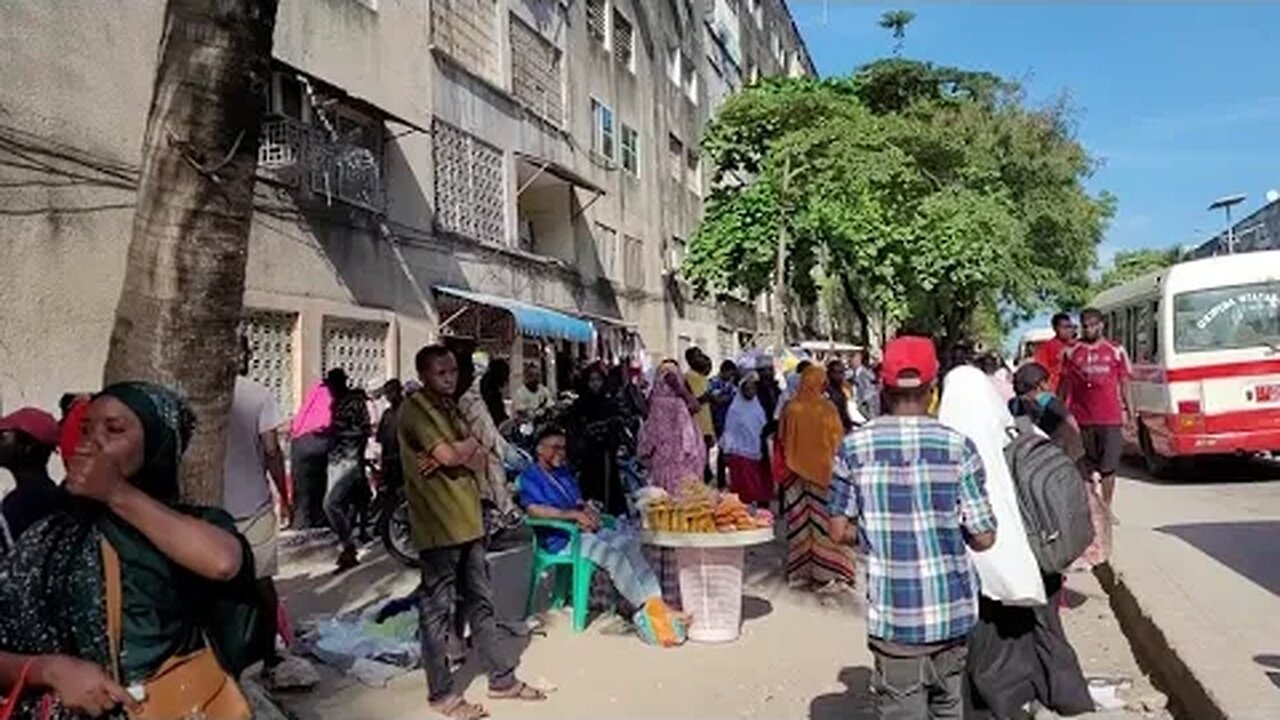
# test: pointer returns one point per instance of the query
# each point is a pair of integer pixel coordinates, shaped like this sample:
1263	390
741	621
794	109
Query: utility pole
780	268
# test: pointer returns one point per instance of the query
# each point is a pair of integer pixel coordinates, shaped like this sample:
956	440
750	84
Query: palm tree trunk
184	280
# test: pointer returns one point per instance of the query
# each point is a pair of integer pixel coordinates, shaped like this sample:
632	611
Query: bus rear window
1240	316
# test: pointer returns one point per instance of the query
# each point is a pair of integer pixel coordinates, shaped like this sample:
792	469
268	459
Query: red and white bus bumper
1245	431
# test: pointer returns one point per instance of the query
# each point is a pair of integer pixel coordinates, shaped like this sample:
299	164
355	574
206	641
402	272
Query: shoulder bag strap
115	612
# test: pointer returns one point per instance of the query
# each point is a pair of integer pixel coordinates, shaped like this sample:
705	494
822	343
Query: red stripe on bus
1260	419
1158	374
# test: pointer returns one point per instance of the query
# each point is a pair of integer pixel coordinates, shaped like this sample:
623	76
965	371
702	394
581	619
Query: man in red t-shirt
1095	386
1049	354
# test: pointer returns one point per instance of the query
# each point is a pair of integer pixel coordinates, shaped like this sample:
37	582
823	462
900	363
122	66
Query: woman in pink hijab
671	447
669	443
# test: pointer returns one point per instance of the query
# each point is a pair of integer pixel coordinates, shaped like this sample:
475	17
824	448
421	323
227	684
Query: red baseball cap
35	423
909	362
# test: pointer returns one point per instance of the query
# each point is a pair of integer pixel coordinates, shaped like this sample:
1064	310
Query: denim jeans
448	574
928	687
345	476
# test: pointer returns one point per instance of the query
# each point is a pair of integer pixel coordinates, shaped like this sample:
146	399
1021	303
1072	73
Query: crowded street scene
721	359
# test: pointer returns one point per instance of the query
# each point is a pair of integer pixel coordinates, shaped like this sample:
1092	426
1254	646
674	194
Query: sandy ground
799	656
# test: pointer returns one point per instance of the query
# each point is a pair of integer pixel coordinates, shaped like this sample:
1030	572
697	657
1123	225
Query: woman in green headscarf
185	576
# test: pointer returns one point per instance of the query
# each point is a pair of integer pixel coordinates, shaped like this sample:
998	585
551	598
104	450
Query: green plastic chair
573	572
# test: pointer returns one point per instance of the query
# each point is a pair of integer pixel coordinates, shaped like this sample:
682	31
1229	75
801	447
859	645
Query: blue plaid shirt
914	488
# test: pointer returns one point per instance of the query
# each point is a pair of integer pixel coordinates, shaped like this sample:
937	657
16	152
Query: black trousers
1020	654
309	461
449	575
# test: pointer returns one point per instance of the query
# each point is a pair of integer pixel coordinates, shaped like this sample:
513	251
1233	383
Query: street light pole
1226	203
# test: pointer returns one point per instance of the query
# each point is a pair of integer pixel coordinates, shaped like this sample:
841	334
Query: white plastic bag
1007	571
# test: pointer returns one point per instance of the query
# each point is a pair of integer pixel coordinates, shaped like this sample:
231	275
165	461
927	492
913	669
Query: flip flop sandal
519	691
460	709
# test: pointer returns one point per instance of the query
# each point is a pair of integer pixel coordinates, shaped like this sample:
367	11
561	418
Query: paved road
1202	557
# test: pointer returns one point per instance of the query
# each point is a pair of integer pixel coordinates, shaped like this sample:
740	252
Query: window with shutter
596	19
535	71
603	140
675	158
623	42
630	159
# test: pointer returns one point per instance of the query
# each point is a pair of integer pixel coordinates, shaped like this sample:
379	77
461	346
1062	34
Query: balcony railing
291	152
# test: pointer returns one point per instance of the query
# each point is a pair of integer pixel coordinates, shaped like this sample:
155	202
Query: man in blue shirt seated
549	491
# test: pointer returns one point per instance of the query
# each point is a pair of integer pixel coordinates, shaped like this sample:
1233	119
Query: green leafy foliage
1132	264
933	194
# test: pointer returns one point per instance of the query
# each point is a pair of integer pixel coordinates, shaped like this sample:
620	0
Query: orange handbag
189	686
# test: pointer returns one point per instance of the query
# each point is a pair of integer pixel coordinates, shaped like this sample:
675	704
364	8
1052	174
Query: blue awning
531	319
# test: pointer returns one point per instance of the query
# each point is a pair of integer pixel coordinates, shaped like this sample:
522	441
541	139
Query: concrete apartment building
524	173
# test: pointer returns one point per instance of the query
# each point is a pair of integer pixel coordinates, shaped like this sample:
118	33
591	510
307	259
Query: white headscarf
1008	570
744	423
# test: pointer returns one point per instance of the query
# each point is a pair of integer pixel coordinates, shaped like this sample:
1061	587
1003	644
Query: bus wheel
1157	465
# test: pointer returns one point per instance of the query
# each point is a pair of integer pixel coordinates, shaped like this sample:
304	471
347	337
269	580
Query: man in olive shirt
440	461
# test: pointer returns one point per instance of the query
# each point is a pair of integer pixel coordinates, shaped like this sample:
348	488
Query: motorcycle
502	530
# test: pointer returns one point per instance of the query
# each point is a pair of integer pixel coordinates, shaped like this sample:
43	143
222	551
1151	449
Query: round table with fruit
709	532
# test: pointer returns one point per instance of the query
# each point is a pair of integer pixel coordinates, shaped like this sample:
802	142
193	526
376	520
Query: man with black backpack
1018	652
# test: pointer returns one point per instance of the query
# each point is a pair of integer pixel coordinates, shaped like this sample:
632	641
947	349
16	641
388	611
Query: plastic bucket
711	591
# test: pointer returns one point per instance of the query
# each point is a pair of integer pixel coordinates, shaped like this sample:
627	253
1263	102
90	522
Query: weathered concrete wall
72	112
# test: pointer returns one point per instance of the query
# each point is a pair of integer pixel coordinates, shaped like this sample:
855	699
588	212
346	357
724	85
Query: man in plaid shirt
915	491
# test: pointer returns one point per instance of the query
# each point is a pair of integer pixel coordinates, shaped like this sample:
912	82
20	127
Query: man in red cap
27	439
915	491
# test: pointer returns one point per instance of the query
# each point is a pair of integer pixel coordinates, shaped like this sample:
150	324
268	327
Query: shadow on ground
855	703
1219	470
1248	548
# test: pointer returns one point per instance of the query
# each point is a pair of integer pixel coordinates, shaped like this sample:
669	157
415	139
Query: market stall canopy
531	319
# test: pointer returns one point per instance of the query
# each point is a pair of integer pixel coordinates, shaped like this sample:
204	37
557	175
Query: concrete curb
1189	699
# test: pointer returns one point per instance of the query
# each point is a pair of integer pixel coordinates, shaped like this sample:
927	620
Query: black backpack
1052	497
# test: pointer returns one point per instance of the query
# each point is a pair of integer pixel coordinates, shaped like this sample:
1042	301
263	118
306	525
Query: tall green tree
1132	264
934	194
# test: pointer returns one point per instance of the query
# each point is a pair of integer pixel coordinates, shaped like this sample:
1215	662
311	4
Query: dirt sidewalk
800	656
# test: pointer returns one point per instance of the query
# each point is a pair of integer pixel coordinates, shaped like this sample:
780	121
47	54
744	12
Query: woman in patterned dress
810	431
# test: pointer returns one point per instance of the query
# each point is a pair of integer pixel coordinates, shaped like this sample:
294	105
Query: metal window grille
359	347
623	41
470	195
281	145
596	19
344	160
270	336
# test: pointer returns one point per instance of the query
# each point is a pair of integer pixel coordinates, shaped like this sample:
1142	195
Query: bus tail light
1189	416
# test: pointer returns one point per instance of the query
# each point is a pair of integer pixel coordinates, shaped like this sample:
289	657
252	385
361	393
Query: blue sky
1180	101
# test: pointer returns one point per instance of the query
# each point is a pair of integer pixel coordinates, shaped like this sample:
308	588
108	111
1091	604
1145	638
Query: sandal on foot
459	709
518	691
